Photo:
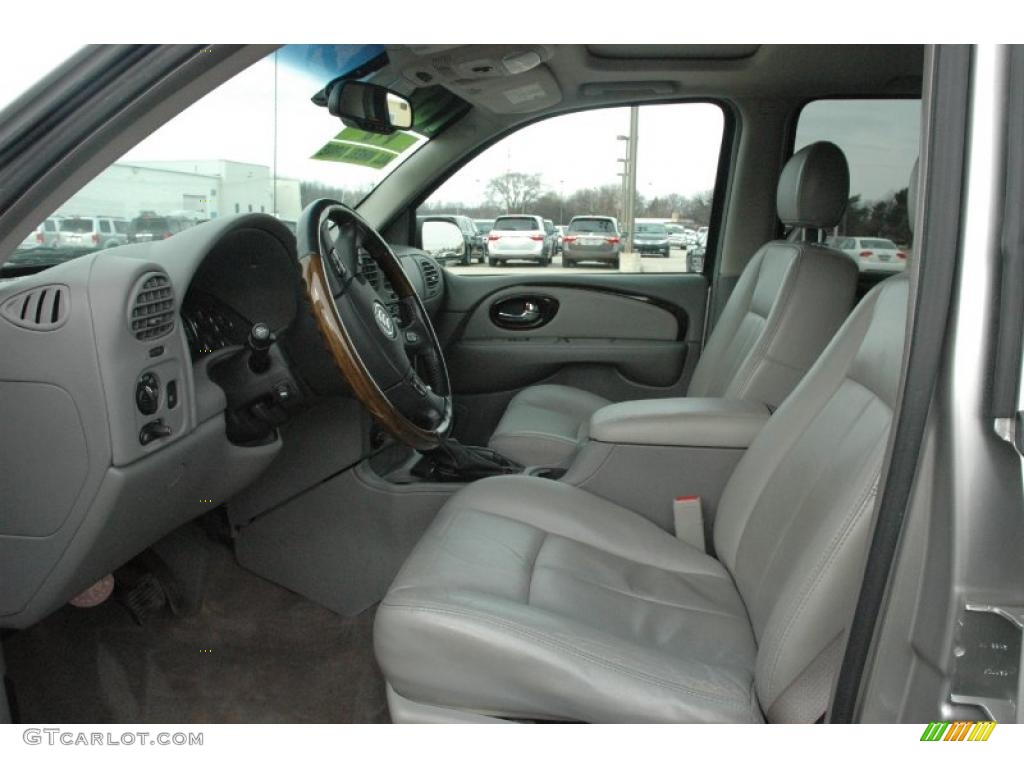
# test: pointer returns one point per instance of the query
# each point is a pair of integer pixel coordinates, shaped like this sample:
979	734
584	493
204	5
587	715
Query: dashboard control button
172	393
156	351
283	393
154	430
147	394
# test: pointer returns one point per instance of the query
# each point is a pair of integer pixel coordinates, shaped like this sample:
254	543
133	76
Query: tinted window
104	226
651	229
516	224
880	139
154	224
878	244
592	225
76	225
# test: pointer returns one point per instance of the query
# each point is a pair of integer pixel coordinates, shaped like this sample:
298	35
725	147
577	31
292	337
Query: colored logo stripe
961	730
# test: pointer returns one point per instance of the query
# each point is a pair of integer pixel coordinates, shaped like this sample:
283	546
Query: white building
204	189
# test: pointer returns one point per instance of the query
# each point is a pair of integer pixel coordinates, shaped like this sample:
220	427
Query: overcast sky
678	144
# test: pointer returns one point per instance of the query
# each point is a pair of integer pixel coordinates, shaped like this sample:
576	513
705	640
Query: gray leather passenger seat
786	306
530	598
534	599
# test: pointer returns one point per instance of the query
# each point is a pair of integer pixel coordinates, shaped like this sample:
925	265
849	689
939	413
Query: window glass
592	225
880	138
571	166
515	224
75	225
256	143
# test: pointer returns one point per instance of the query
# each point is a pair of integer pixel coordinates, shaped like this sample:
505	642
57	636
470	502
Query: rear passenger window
570	170
880	138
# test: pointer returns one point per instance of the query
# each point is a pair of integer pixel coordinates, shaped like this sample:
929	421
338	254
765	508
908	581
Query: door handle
523	312
529	315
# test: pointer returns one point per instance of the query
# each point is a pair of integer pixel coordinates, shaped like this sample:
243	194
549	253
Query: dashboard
219	310
126	409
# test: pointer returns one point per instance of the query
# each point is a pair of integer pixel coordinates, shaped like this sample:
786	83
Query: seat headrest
912	195
814	187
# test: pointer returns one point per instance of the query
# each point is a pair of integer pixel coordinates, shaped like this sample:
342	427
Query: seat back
795	519
793	294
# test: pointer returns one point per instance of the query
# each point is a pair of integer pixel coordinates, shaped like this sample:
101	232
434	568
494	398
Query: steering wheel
390	356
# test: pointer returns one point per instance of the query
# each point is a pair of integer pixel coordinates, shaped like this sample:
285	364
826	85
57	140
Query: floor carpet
253	653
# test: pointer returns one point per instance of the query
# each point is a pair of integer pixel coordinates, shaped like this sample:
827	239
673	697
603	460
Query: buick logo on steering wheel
384	320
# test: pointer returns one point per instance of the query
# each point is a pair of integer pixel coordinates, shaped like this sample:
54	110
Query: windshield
256	144
880	244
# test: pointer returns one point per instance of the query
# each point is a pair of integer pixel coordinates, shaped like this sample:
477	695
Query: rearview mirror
369	107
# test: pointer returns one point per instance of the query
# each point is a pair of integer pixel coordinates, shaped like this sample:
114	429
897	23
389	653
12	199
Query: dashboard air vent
40	309
152	310
431	278
368	268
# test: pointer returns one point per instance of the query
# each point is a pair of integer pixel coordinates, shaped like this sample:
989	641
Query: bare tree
515	190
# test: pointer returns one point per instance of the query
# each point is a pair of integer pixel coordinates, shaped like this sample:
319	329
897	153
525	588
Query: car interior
269	471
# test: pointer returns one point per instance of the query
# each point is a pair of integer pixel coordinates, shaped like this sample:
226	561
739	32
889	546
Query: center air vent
431	278
41	309
368	268
152	311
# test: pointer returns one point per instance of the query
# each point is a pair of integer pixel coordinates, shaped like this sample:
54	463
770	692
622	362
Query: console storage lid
711	422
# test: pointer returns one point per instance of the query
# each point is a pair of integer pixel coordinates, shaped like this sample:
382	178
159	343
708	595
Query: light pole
624	173
629	180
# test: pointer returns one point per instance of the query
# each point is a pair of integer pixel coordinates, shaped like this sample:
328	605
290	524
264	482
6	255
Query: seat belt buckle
689	520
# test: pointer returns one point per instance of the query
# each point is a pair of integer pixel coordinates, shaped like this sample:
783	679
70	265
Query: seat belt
688	515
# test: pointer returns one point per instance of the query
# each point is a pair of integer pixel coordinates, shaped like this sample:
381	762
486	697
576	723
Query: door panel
578	312
621	336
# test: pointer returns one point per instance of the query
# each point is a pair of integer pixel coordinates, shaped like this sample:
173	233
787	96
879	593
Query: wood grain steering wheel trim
341	348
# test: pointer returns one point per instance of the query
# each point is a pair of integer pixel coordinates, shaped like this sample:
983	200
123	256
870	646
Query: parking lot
629	263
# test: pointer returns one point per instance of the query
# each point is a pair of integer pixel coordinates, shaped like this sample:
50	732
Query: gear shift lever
259	343
452	461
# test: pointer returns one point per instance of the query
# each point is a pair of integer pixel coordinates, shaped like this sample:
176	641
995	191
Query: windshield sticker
364	148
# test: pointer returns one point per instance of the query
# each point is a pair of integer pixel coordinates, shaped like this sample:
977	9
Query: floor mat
254	653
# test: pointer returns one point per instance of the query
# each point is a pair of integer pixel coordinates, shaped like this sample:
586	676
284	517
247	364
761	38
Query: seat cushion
543	426
531	598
